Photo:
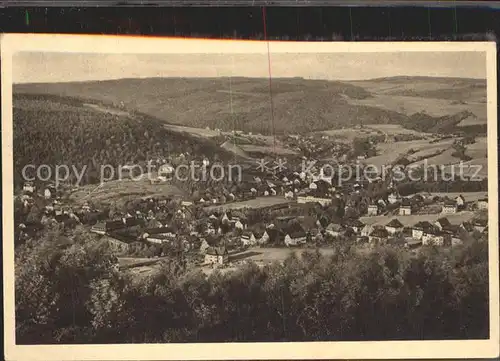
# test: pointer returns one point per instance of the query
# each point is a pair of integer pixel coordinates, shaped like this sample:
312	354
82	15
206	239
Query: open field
279	150
121	191
468	196
473	168
393	129
435	107
259	202
456	218
348	134
479	149
442	159
200	132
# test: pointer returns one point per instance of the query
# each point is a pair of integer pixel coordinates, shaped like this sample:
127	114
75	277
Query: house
482	203
105	227
394	226
49	192
295	237
480	225
165	170
442	223
405	210
28	187
366	230
433	237
393	198
372	210
378	236
289	195
272	235
420	228
248	239
311	199
216	255
449	207
334	230
460	202
356	225
159	235
186	203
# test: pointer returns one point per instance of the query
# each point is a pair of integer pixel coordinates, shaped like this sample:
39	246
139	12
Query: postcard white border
11	43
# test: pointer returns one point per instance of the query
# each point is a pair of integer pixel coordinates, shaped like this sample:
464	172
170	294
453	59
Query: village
223	226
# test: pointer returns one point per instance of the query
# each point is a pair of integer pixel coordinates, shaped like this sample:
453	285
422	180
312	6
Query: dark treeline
90	138
68	290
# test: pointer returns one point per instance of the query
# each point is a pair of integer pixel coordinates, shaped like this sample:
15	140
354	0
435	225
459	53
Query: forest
69	290
62	131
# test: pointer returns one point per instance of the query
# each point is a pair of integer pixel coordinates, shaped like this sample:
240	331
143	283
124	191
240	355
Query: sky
41	67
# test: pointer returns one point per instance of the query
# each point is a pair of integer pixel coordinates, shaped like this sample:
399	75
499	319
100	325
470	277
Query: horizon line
254	77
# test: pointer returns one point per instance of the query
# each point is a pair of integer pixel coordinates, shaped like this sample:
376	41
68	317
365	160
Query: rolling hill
55	130
299	105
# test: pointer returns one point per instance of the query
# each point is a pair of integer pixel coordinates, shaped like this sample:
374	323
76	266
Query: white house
289	195
442	223
334	229
432	238
460	201
165	170
239	225
248	239
28	187
311	199
366	230
393	198
449	208
482	203
295	238
216	255
420	228
405	210
372	210
394	226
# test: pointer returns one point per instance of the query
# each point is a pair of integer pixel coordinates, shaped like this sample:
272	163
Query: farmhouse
394	226
449	207
216	255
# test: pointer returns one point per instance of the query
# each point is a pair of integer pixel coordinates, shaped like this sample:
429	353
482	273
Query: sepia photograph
189	198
